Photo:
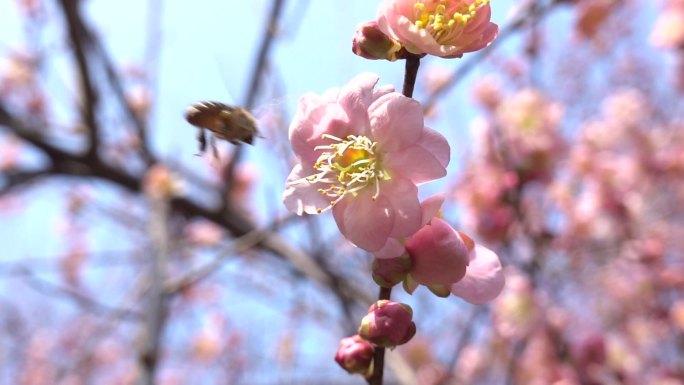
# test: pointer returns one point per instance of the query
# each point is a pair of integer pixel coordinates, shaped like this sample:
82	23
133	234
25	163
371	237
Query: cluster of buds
387	324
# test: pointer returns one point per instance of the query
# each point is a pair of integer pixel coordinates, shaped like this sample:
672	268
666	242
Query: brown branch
81	41
157	301
239	245
65	163
19	178
81	299
255	81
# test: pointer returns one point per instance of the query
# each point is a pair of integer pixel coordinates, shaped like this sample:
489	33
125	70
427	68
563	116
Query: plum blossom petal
304	197
423	162
397	122
382	90
445	28
403	197
438	253
372	232
430	208
484	277
312	119
356	97
345	142
392	249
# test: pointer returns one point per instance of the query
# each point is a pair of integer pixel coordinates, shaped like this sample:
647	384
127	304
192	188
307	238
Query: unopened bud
355	355
388	272
388	324
371	43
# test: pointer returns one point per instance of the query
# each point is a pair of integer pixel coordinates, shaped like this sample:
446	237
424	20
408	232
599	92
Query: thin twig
255	81
476	59
81	40
86	302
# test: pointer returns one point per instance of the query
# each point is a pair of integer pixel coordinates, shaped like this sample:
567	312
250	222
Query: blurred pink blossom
161	183
487	92
668	31
445	28
530	125
203	233
361	152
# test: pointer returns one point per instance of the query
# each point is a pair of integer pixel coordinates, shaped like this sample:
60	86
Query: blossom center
347	166
442	18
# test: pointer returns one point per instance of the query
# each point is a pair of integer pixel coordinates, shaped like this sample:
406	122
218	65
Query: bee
233	124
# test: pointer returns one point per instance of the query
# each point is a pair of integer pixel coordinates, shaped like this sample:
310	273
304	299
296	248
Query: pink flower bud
355	354
388	324
388	272
370	43
439	254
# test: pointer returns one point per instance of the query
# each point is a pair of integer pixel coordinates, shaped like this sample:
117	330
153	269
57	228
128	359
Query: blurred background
129	258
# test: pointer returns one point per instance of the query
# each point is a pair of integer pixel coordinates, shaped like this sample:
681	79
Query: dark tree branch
81	299
81	41
19	178
65	163
255	81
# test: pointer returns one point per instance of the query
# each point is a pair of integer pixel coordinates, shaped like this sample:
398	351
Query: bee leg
202	140
214	149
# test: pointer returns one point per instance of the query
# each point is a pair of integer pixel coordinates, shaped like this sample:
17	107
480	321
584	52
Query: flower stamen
442	18
346	166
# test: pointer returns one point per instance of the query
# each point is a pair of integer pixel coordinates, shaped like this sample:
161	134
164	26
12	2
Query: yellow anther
442	17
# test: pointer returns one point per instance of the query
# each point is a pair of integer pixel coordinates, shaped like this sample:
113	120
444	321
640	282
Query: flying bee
233	124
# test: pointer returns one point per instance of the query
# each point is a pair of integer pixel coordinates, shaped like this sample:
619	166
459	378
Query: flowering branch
410	75
379	355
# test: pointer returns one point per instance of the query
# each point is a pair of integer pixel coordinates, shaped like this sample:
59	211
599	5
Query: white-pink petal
365	222
430	208
302	197
355	98
311	121
403	198
415	163
392	249
396	122
484	277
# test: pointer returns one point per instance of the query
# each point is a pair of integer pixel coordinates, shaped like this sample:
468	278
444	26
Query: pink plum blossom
361	152
443	257
445	28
